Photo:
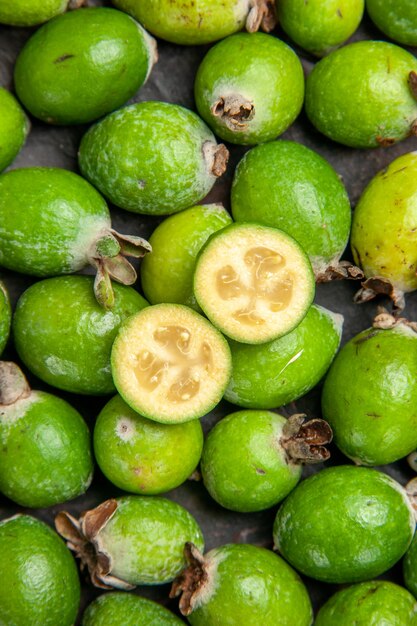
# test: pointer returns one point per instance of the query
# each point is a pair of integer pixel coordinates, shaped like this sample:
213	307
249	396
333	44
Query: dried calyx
411	491
304	440
234	110
13	384
76	4
261	15
192	580
377	285
340	271
385	321
216	156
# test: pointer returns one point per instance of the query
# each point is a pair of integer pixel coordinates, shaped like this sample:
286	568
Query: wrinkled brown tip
304	440
385	321
411	491
13	384
191	580
76	4
221	158
377	285
412	82
93	521
261	15
385	142
344	270
235	111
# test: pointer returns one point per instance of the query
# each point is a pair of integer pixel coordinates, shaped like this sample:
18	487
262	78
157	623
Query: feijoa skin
345	524
362	95
33	12
249	88
65	337
410	568
14	128
154	158
272	374
241	584
371	603
5	316
39	582
82	65
141	456
125	609
133	540
395	18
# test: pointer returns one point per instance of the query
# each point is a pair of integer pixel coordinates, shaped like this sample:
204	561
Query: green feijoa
372	603
396	18
253	459
249	88
273	374
45	455
370	393
320	26
345	524
14	127
364	95
63	335
133	540
38	578
384	231
125	609
83	65
241	584
189	23
285	185
33	12
5	316
167	274
410	566
152	157
141	456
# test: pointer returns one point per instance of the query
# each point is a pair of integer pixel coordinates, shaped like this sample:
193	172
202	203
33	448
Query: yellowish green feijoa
126	609
14	127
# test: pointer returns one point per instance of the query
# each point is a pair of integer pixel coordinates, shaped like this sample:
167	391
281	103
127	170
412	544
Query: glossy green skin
370	396
14	127
5	317
359	95
65	337
410	568
142	456
320	26
188	22
373	603
251	586
344	524
273	374
285	185
30	12
45	453
167	273
126	609
38	577
396	18
148	158
145	539
49	219
82	65
244	466
259	68
389	205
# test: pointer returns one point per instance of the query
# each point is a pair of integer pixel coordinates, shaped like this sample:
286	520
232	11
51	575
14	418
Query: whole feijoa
5	316
320	26
33	12
38	577
285	185
345	524
83	65
249	88
253	459
410	566
14	127
241	584
396	18
142	456
364	95
152	157
126	609
133	540
65	337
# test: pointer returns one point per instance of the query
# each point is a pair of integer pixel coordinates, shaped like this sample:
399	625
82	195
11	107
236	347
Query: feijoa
33	12
396	18
5	316
410	564
126	609
14	127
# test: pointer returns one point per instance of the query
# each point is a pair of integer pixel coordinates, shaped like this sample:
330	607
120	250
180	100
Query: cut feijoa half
253	282
170	364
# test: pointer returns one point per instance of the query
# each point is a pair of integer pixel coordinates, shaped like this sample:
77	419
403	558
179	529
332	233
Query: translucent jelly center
264	281
177	359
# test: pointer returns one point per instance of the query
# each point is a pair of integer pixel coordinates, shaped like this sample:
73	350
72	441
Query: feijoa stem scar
377	285
304	440
235	110
191	581
13	384
343	270
261	15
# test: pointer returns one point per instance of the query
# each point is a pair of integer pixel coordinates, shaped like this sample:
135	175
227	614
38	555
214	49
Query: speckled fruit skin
285	185
396	18
63	335
410	568
260	69
5	317
345	524
272	374
141	456
167	273
359	95
126	609
14	127
38	578
82	65
30	12
319	27
370	603
384	227
370	396
148	158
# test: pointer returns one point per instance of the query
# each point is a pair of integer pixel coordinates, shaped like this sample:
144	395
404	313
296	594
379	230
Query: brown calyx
76	4
13	384
191	580
262	15
411	491
385	142
385	321
216	157
412	83
304	440
234	110
377	285
343	270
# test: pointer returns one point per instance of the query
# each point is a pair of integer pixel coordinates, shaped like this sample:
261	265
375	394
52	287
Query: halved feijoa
253	282
170	364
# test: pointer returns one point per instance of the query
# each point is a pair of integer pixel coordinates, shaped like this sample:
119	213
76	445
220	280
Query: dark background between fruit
172	81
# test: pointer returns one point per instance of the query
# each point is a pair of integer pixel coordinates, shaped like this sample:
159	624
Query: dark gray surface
172	81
